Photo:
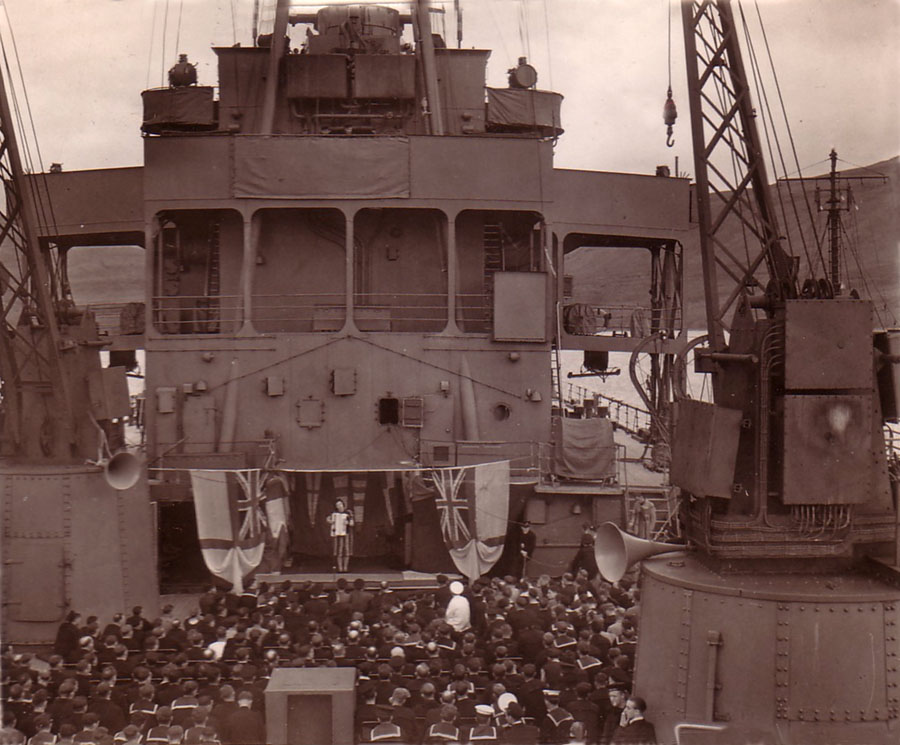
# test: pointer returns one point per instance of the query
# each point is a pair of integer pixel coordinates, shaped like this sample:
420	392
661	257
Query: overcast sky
85	63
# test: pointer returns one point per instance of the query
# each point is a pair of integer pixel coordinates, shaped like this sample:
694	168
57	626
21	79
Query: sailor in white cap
458	615
483	731
556	723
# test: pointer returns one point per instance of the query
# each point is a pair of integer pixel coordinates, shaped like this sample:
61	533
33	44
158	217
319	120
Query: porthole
502	412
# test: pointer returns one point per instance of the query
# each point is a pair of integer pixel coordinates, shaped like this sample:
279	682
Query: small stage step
396	580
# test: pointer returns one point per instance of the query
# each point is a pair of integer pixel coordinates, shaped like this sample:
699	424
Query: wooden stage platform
396	579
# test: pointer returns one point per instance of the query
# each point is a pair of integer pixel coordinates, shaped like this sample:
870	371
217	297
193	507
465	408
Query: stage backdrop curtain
231	523
473	503
373	497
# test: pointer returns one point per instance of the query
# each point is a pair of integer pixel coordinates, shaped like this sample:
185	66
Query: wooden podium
311	706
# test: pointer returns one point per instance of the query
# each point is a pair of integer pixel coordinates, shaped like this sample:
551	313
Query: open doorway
181	565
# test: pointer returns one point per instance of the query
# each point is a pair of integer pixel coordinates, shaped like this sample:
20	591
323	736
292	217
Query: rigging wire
853	245
150	45
786	123
549	48
865	168
867	286
162	62
669	46
524	37
768	121
18	124
178	29
499	27
770	136
46	216
807	168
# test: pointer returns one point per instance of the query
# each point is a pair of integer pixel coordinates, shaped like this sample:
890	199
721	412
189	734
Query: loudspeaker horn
615	551
123	470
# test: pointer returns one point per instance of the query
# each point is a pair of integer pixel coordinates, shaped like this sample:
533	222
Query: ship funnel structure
616	551
123	470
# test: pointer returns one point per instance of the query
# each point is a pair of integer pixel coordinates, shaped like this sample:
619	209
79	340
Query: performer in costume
341	522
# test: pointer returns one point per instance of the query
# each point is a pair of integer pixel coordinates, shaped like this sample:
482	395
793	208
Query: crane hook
670	114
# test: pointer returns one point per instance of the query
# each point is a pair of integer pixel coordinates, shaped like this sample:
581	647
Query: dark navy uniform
442	732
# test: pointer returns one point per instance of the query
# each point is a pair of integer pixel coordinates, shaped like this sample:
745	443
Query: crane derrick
787	500
46	347
730	169
782	463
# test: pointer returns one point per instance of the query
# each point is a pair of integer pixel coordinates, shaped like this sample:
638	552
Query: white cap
505	699
456	588
484	710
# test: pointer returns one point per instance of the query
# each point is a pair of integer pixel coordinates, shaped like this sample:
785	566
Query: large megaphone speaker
123	470
615	551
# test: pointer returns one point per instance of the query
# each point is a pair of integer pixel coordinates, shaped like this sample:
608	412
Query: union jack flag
231	521
452	505
249	517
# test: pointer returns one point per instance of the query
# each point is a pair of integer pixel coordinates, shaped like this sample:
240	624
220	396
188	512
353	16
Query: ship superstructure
355	268
355	252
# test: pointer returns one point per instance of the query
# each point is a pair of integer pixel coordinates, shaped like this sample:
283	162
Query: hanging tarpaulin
473	504
231	522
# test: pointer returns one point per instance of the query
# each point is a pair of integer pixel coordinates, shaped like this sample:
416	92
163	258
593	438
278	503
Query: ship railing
475	311
301	312
196	314
633	419
400	311
305	312
634	321
527	460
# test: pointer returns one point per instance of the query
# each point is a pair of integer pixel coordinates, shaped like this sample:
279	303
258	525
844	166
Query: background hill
871	260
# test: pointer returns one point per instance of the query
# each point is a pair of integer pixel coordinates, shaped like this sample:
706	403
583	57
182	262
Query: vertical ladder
492	245
213	281
556	377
